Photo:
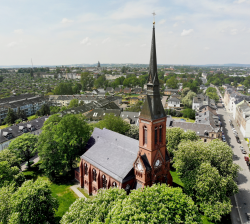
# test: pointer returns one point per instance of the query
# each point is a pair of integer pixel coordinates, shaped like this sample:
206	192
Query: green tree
54	109
31	73
136	107
133	132
87	81
156	204
175	135
61	142
24	146
1	78
113	123
188	113
73	103
188	99
10	174
45	110
172	83
33	203
10	157
185	91
208	172
11	117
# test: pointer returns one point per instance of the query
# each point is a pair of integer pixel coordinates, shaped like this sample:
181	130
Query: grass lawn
61	191
84	192
187	119
4	126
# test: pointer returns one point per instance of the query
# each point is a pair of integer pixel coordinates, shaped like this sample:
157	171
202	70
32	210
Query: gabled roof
112	153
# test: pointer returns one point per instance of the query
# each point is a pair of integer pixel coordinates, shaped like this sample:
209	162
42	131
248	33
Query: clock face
139	166
157	163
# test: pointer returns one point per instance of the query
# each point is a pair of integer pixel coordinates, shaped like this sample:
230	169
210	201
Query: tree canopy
73	103
87	81
207	171
113	123
188	99
24	146
61	142
156	204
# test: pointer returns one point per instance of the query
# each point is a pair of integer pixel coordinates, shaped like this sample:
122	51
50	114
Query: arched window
85	169
94	174
145	137
104	181
160	134
114	184
156	137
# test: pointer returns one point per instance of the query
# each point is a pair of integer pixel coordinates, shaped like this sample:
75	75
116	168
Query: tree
87	81
188	113
61	142
185	91
113	123
1	78
31	203
21	114
54	109
156	204
136	107
31	73
10	157
73	103
133	132
45	110
207	171
172	83
11	117
175	135
24	146
10	174
188	99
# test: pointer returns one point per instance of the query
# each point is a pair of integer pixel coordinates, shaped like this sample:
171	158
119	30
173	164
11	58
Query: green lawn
84	192
187	119
61	191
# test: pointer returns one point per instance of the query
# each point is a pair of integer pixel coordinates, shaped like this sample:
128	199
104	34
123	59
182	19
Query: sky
64	32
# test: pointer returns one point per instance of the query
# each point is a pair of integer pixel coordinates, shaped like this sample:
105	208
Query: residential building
173	102
127	90
169	92
133	100
130	117
9	134
243	118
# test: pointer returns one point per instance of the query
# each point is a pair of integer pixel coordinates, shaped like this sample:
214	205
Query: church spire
152	76
152	108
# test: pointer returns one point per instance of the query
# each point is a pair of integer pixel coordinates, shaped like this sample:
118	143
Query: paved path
35	159
241	201
77	192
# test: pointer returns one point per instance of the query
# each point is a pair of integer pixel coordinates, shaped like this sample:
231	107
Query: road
241	201
163	100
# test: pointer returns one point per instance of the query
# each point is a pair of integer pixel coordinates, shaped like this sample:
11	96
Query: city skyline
62	32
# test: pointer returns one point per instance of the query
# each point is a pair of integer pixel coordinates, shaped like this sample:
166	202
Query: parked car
232	125
243	151
246	158
238	140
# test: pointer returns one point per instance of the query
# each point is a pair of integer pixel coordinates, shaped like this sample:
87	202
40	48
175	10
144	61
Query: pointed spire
152	76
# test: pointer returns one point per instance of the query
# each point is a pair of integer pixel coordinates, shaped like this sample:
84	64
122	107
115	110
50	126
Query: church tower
153	162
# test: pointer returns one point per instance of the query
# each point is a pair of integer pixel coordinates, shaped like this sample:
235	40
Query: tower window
156	139
104	181
160	134
94	175
145	137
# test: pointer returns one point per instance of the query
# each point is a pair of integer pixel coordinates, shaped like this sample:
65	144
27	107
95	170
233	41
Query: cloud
143	45
85	41
206	48
18	31
127	45
175	25
66	21
186	32
12	44
233	31
106	40
239	1
162	21
170	32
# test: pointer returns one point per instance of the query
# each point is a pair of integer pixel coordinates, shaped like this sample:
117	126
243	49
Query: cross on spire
154	17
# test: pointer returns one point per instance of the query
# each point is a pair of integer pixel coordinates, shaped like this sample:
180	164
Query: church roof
113	153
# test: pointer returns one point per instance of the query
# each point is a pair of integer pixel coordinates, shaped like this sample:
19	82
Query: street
241	201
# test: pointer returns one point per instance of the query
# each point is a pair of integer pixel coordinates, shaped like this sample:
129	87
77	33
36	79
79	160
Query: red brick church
115	160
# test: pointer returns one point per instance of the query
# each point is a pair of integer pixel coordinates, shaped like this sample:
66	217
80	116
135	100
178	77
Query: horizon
66	33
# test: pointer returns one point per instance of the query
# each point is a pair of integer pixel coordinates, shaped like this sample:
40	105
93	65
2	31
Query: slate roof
15	98
198	128
138	90
99	113
16	130
118	89
174	99
109	89
133	116
112	153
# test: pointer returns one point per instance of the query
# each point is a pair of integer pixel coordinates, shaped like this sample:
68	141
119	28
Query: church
115	160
